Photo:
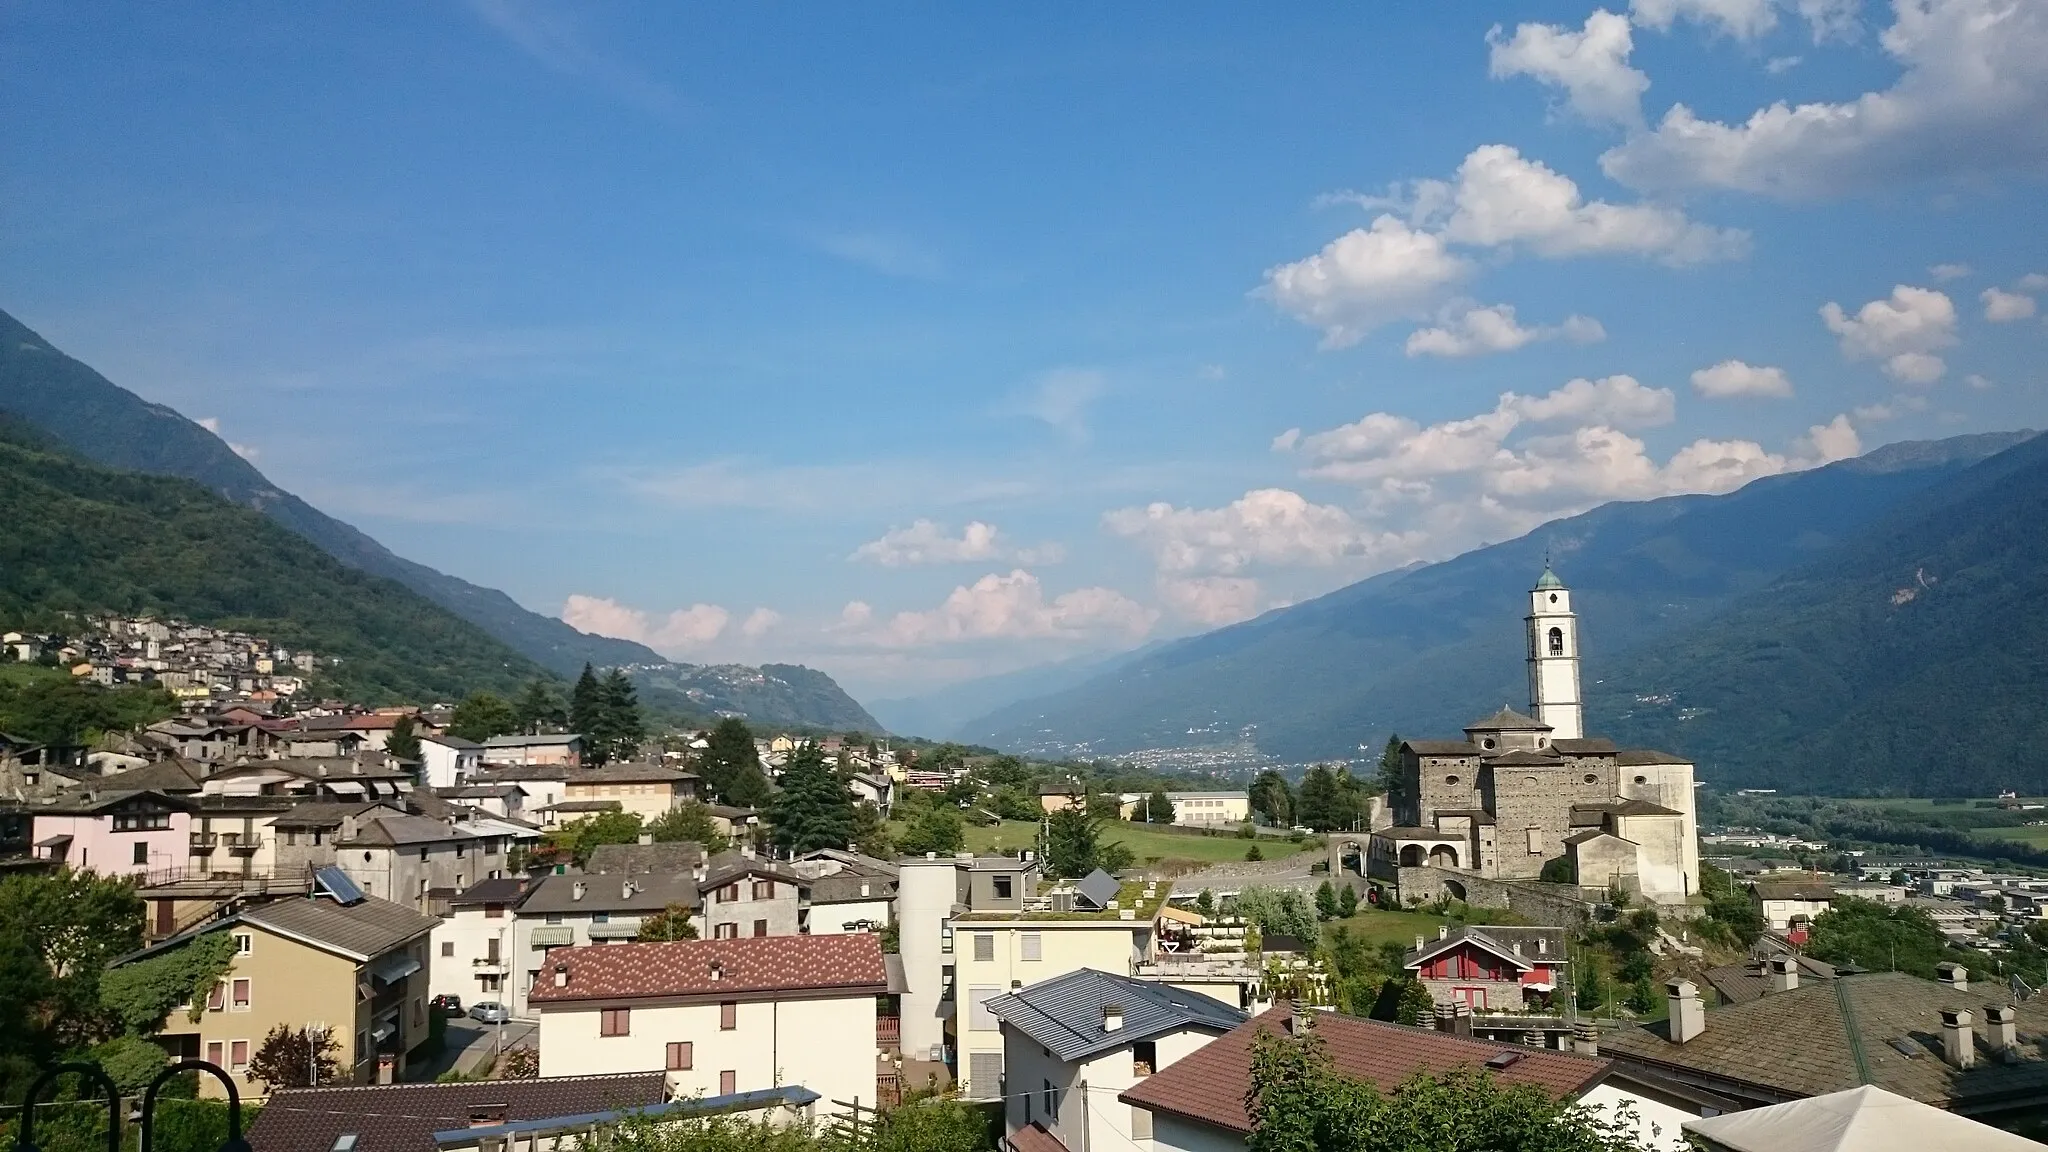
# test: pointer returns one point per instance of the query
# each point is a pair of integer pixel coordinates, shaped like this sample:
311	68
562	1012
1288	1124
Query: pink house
117	833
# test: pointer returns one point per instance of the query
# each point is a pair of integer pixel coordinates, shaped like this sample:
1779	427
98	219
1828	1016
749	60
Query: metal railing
25	1139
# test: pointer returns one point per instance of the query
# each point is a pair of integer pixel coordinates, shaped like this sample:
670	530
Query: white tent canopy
1862	1119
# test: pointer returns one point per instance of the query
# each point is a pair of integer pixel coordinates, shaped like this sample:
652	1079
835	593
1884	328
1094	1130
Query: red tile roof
761	964
1209	1084
1034	1138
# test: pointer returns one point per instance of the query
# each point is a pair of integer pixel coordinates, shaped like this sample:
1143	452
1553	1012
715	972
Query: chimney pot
1443	931
1586	1038
561	975
1784	973
1421	941
1958	1039
718	970
1446	1018
647	838
1688	1015
576	890
1112	1017
2000	1030
1956	976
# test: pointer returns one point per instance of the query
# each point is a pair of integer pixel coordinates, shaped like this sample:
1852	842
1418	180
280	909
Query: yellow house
354	967
648	790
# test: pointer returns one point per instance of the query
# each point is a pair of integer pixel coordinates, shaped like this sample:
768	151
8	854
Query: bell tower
1554	658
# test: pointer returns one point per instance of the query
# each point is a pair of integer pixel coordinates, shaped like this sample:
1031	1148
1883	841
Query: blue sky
919	342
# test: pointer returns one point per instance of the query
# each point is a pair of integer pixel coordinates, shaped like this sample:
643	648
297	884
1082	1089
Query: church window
1488	742
1553	597
1557	641
1642	779
1592	779
1452	780
1530	781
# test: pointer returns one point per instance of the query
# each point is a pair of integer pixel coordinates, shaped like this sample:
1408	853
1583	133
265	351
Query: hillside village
547	925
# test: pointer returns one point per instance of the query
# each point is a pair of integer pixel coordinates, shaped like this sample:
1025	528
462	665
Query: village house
353	966
719	1016
544	785
1491	968
576	911
391	853
1071	1043
373	727
1790	905
1194	809
648	791
849	892
448	761
119	832
473	943
743	895
563	750
456	1117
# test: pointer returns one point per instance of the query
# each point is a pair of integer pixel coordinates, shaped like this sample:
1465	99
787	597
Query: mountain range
1424	650
112	426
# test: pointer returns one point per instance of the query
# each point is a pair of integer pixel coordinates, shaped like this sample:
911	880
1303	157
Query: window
238	1055
245	943
1592	779
764	889
419	1011
1536	843
141	821
729	893
494	911
979	1018
1453	970
291	837
984	946
728	1015
319	836
214	1053
1144	1057
600	917
142	851
1141	1123
728	1082
760	927
680	1055
1557	641
217	999
984	1075
1032	945
554	917
459	848
447	949
491	950
1002	887
726	932
424	849
1451	780
615	1022
241	999
1049	1101
1642	779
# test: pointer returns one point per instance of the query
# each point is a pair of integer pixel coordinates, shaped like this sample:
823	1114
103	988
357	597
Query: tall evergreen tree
403	741
480	716
586	705
1271	799
1159	807
731	767
539	708
1317	805
1390	769
814	809
625	727
1073	843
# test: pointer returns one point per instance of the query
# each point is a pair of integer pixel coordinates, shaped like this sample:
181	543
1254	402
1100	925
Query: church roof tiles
1508	720
1441	747
1522	759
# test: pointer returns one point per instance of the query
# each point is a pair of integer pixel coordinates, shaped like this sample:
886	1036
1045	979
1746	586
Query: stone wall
1542	798
1558	905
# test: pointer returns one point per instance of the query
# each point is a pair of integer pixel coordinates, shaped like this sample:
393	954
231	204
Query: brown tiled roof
366	929
751	966
1507	719
732	865
1441	747
673	858
1801	889
1034	1138
1799	1043
1589	746
404	1117
1741	983
628	773
1625	808
1209	1084
1520	758
1644	757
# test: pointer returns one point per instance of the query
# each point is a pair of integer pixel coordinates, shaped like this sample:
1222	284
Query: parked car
489	1012
447	1005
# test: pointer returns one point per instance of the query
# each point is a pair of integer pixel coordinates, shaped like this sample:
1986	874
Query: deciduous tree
480	716
295	1058
936	829
671	923
689	821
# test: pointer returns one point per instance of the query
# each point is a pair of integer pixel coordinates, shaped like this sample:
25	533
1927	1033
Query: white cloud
1212	601
1732	378
1502	198
1061	399
889	255
1943	273
1831	19
2005	307
1365	278
760	622
212	424
1973	99
1620	400
1475	331
1904	331
924	542
2033	282
1980	383
691	627
1012	607
1742	19
1590	65
551	36
1779	65
1266	526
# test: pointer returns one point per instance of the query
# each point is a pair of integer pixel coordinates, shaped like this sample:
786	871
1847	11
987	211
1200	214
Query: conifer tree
586	705
1326	901
731	767
625	727
1159	807
403	741
814	809
538	707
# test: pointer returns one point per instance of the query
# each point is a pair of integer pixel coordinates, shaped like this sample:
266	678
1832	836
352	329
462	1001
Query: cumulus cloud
1061	398
1405	266
691	627
1005	607
1266	526
1590	65
924	542
1904	331
2005	307
1474	331
1831	19
2033	282
1972	99
1742	19
759	623
1732	378
1212	601
1943	273
212	424
1365	278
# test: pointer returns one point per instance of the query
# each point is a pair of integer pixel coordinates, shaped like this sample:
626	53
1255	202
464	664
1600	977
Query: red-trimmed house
1491	968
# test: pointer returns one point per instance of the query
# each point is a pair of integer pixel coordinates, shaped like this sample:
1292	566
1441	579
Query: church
1521	791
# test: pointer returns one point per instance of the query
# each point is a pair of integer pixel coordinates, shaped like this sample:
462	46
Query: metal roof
1065	1013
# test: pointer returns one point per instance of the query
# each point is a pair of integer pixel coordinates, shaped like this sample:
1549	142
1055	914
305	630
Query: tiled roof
1441	747
395	831
846	888
1802	889
163	776
629	773
501	890
1799	1043
1064	1014
729	866
1589	746
1509	720
1624	808
756	965
673	858
652	892
1741	983
512	774
1209	1084
362	930
1501	942
325	813
1644	757
550	740
1033	1138
1520	758
404	1117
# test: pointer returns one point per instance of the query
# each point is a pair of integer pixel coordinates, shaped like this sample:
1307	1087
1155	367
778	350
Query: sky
922	342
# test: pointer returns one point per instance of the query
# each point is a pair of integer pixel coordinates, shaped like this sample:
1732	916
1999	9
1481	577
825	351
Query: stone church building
1522	790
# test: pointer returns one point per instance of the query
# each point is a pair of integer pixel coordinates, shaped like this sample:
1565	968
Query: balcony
203	842
487	964
888	1031
242	841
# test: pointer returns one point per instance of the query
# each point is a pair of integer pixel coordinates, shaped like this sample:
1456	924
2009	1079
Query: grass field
1377	928
1144	843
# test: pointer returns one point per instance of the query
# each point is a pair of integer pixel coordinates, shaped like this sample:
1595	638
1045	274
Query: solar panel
336	883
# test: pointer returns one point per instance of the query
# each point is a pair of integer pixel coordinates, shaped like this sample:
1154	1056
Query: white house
472	945
1790	905
573	911
448	761
719	1016
1072	1043
849	892
1197	1102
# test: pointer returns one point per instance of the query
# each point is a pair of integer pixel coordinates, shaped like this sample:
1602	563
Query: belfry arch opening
1557	641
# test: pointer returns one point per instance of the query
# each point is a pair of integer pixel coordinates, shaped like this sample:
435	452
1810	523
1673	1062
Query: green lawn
2033	837
1377	928
1145	843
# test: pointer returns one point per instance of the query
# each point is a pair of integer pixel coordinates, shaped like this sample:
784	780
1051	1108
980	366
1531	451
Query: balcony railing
888	1031
488	963
242	841
203	842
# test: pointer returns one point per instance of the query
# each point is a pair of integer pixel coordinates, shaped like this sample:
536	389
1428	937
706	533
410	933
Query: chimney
1958	1039
1784	973
487	1115
1421	942
576	890
1446	1018
1516	948
1956	976
1112	1017
1999	1030
1443	931
717	970
1688	1015
647	838
561	975
1461	1019
626	890
1586	1038
1542	946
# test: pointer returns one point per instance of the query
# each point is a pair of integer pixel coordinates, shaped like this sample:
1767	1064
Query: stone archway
1454	890
1443	856
1413	856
